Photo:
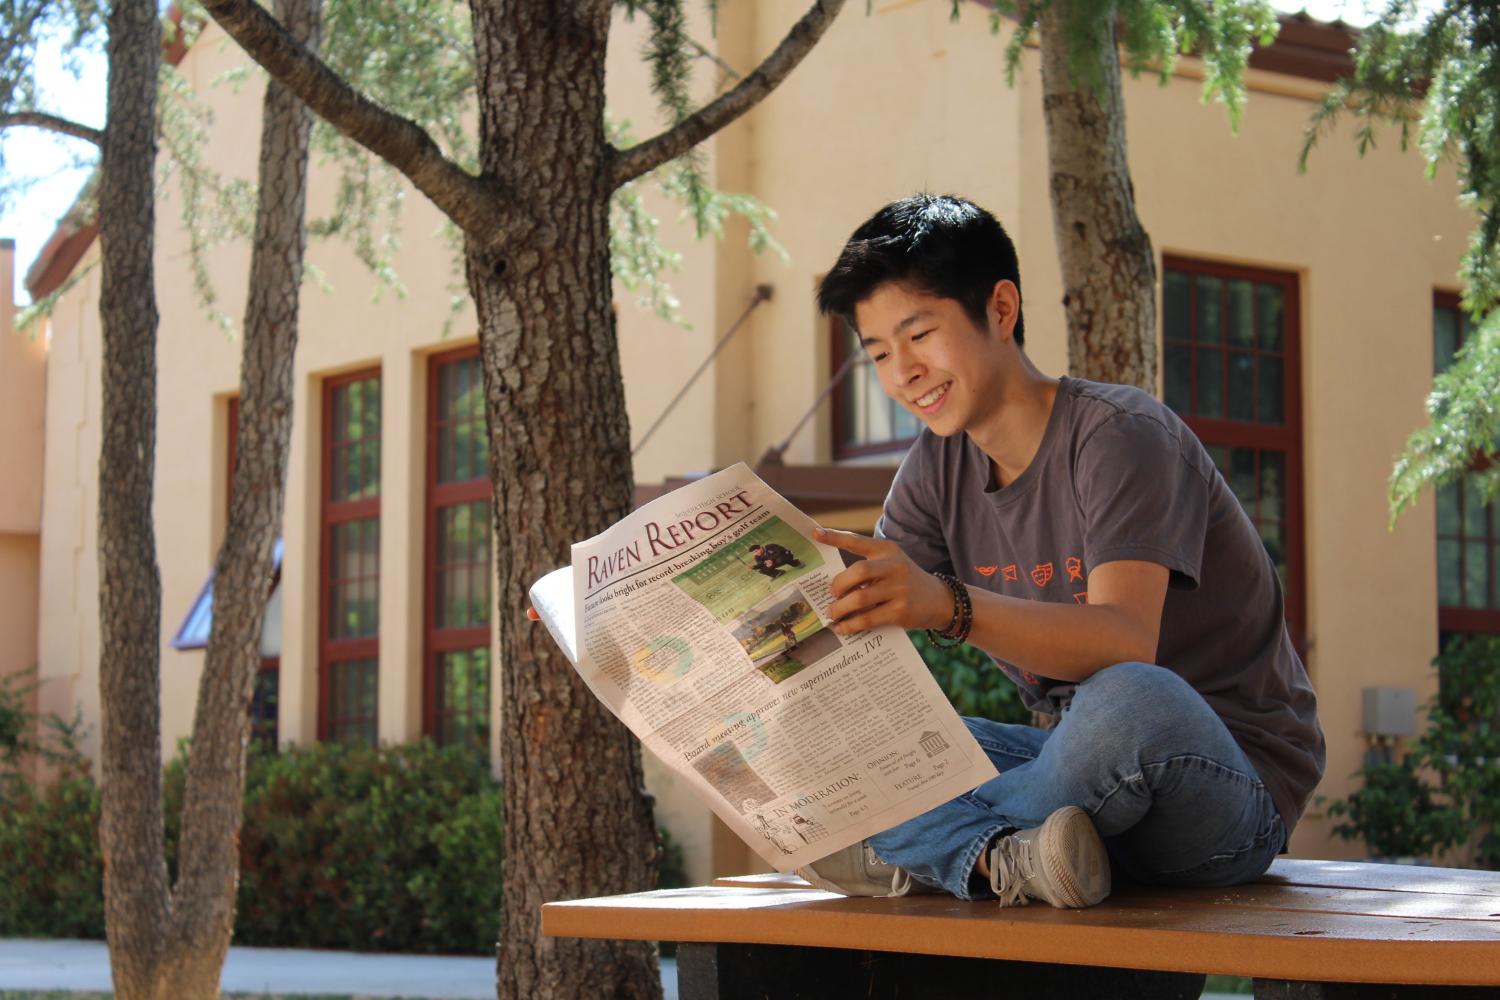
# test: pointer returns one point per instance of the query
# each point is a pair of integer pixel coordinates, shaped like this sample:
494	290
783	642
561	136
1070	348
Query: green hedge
345	847
352	847
972	682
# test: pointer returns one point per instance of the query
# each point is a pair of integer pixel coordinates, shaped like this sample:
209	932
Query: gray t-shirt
1119	476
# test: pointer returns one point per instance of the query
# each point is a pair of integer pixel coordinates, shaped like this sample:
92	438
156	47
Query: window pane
1241	313
263	706
1242	477
353	690
1450	586
1272	484
1210	310
461	448
1447	509
354	457
1177	377
463	574
1444	337
1494	582
1241	386
1270	535
1476	513
354	571
1476	574
464	698
1272	303
1272	386
1176	315
1210	383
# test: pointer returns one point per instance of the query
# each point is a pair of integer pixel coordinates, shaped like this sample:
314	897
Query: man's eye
877	358
918	336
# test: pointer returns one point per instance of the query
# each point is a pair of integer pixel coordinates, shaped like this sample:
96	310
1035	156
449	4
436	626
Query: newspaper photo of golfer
785	638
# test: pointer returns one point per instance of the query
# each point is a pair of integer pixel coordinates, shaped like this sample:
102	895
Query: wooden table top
1326	921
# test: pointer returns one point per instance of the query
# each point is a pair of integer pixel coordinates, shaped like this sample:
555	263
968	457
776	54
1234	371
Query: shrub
972	682
1444	791
353	847
51	875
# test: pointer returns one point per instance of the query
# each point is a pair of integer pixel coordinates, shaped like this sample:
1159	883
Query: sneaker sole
1074	854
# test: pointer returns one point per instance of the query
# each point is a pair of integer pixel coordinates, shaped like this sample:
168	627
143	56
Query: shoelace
1011	867
900	877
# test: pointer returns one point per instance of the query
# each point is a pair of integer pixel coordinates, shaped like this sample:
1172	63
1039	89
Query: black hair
941	245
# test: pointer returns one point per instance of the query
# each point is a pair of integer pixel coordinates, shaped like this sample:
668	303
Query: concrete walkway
83	966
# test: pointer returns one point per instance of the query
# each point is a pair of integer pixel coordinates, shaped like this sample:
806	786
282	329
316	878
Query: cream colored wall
889	103
23	372
68	617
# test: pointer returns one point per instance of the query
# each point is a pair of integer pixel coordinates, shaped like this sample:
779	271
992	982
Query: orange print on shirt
986	570
1074	566
1082	597
1010	573
1041	575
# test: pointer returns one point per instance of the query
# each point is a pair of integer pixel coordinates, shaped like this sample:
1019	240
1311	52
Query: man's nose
909	367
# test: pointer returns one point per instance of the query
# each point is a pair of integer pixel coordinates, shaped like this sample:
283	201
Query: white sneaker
1062	862
858	871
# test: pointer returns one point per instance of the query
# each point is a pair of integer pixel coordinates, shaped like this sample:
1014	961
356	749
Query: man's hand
886	588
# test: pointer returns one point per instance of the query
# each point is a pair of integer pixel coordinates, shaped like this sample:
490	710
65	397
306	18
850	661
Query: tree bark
208	857
1108	266
577	819
136	904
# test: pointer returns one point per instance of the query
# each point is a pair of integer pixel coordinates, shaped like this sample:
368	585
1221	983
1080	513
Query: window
350	563
865	420
195	628
456	671
1468	528
1231	369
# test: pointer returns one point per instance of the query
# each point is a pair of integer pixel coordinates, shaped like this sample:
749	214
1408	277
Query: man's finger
849	541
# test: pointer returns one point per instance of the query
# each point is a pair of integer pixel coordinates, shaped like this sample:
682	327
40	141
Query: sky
37	154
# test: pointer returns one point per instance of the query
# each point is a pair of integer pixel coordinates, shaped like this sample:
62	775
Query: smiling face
931	357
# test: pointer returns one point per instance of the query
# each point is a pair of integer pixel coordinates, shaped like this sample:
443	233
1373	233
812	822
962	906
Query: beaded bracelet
962	622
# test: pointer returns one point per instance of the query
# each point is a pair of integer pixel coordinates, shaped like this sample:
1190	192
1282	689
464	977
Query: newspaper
700	620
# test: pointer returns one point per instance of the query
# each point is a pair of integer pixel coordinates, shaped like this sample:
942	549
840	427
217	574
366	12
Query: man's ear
1004	306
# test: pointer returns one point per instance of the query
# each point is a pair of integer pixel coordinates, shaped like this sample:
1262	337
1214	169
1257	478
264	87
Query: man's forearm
1060	641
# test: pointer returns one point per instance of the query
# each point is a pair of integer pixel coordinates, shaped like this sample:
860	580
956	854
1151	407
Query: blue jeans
1169	790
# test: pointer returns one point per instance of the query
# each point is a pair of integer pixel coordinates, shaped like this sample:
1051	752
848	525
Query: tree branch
647	156
52	123
473	203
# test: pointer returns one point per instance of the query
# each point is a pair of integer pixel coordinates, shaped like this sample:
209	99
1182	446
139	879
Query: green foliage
348	847
971	681
352	847
51	875
1438	85
1152	33
1463	422
24	24
1444	791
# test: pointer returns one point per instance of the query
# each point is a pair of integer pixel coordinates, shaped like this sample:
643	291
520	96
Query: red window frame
332	652
439	641
1460	618
1285	437
843	400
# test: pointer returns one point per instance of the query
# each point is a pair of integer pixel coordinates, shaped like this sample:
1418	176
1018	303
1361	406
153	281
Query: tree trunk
1108	267
136	906
577	819
208	859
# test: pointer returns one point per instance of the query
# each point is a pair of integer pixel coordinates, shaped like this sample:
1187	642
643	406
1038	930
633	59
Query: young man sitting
1080	534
